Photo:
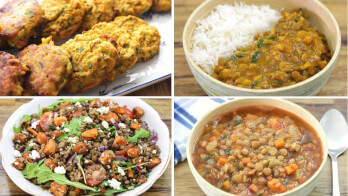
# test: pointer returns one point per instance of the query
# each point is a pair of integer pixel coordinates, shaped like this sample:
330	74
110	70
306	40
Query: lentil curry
290	53
257	151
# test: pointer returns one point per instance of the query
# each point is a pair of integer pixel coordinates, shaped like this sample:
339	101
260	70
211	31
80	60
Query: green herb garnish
237	122
78	157
25	118
260	43
74	126
142	133
59	101
255	57
240	55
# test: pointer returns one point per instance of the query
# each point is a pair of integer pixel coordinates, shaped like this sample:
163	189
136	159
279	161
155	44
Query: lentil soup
291	52
257	150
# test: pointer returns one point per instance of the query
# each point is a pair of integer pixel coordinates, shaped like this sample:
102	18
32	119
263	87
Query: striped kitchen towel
186	112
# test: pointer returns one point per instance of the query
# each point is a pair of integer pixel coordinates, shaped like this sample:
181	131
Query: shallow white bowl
151	117
320	17
302	190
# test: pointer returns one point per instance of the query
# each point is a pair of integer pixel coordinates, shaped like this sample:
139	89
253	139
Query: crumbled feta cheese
34	155
122	125
57	128
17	154
73	140
113	183
63	124
154	151
141	149
103	110
32	144
34	124
88	120
135	120
59	170
56	114
105	124
120	171
69	108
16	163
78	104
66	130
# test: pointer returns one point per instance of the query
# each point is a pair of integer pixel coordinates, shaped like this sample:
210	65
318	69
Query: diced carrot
133	152
222	161
50	147
251	117
90	135
110	116
155	161
274	123
32	131
276	186
60	120
226	185
64	105
77	191
96	104
279	143
101	117
204	144
212	139
253	188
302	180
120	141
234	139
245	160
135	126
130	173
290	169
124	151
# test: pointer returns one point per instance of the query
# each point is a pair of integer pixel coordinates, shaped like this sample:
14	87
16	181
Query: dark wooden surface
161	187
186	84
162	88
184	183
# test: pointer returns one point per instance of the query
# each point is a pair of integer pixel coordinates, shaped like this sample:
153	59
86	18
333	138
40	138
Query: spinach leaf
142	133
255	57
43	174
74	126
25	118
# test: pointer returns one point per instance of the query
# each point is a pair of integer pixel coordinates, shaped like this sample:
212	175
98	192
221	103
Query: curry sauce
291	52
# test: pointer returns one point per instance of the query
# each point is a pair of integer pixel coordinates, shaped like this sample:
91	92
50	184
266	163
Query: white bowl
151	117
320	17
302	190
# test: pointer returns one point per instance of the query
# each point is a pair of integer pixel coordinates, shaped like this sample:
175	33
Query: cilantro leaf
43	174
74	126
25	118
142	133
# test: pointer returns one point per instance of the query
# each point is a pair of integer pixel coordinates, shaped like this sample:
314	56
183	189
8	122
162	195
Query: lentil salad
86	147
257	151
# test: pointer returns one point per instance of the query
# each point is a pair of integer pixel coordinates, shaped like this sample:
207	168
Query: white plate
141	74
151	117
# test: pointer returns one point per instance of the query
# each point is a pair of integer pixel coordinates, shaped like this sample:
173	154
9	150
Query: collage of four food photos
173	97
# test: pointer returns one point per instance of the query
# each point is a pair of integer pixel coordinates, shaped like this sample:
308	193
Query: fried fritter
62	17
92	62
98	11
50	68
148	36
19	19
127	46
161	5
11	75
133	7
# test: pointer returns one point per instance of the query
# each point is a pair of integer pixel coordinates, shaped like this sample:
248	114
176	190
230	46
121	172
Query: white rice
228	28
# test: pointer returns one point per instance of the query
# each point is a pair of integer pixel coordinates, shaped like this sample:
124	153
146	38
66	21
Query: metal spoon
336	130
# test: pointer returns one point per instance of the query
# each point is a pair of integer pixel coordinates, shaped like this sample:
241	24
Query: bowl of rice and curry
257	147
256	48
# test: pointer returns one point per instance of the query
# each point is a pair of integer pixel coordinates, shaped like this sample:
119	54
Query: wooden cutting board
186	84
161	187
184	183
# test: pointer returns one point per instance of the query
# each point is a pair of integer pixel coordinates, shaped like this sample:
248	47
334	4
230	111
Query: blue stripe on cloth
177	154
218	100
185	113
182	121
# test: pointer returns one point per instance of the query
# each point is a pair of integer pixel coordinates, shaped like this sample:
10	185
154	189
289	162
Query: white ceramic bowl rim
274	90
156	173
221	192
